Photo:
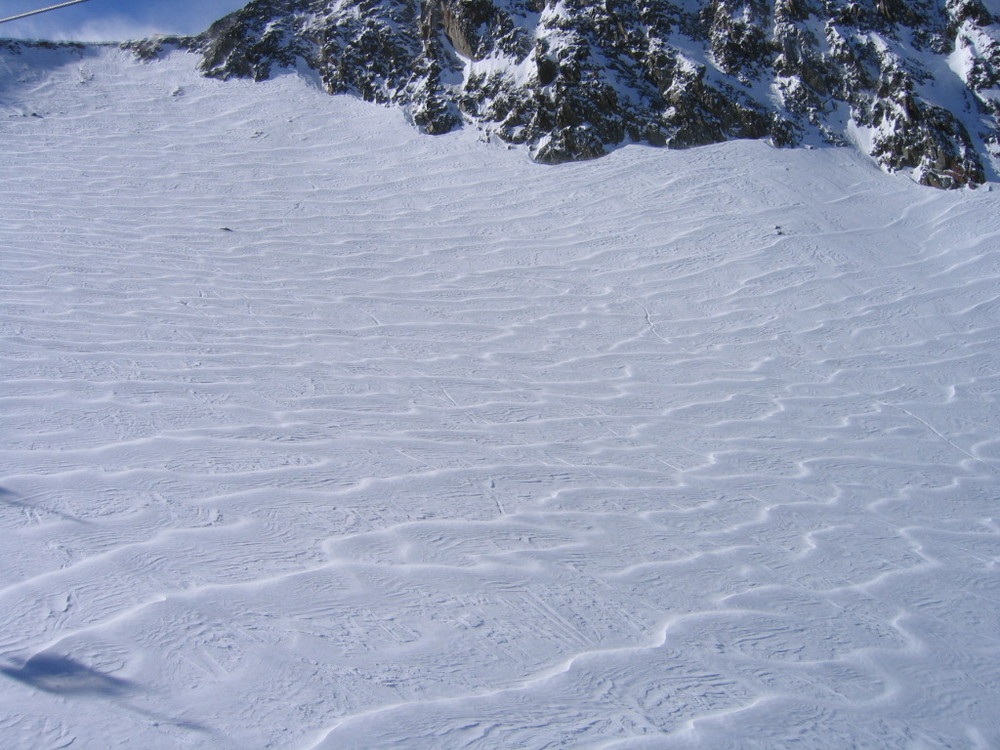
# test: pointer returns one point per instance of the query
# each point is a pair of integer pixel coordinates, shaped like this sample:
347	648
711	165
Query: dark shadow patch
67	677
62	675
15	500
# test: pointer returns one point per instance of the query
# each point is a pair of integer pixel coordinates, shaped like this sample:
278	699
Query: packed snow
321	433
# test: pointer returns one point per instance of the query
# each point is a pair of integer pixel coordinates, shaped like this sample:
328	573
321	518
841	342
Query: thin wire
41	10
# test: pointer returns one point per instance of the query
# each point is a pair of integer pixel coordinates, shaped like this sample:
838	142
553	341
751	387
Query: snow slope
320	433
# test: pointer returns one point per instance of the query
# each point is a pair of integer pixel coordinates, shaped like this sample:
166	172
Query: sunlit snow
320	433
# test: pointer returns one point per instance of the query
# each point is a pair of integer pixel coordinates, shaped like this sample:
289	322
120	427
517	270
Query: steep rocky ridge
914	83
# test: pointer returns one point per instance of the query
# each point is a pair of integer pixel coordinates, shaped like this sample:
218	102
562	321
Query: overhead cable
41	10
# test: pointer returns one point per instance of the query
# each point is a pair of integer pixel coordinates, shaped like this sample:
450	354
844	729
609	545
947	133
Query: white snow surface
321	433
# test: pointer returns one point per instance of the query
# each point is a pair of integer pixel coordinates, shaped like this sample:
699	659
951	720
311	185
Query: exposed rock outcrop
915	83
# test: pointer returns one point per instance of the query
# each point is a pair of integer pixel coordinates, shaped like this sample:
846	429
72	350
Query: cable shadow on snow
62	675
67	677
14	500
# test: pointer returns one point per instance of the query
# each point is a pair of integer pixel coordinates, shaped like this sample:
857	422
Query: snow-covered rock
916	84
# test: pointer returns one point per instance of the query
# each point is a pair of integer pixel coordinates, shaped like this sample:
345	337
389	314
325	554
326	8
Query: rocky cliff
914	83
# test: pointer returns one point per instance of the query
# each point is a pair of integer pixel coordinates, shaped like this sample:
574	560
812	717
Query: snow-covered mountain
913	83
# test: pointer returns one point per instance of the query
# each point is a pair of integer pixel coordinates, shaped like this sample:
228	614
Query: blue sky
113	20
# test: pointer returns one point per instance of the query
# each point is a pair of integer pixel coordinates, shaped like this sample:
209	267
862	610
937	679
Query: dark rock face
915	83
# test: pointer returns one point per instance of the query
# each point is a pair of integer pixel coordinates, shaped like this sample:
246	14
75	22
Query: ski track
323	434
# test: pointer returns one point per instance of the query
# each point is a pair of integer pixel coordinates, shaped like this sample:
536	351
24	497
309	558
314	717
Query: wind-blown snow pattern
320	433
